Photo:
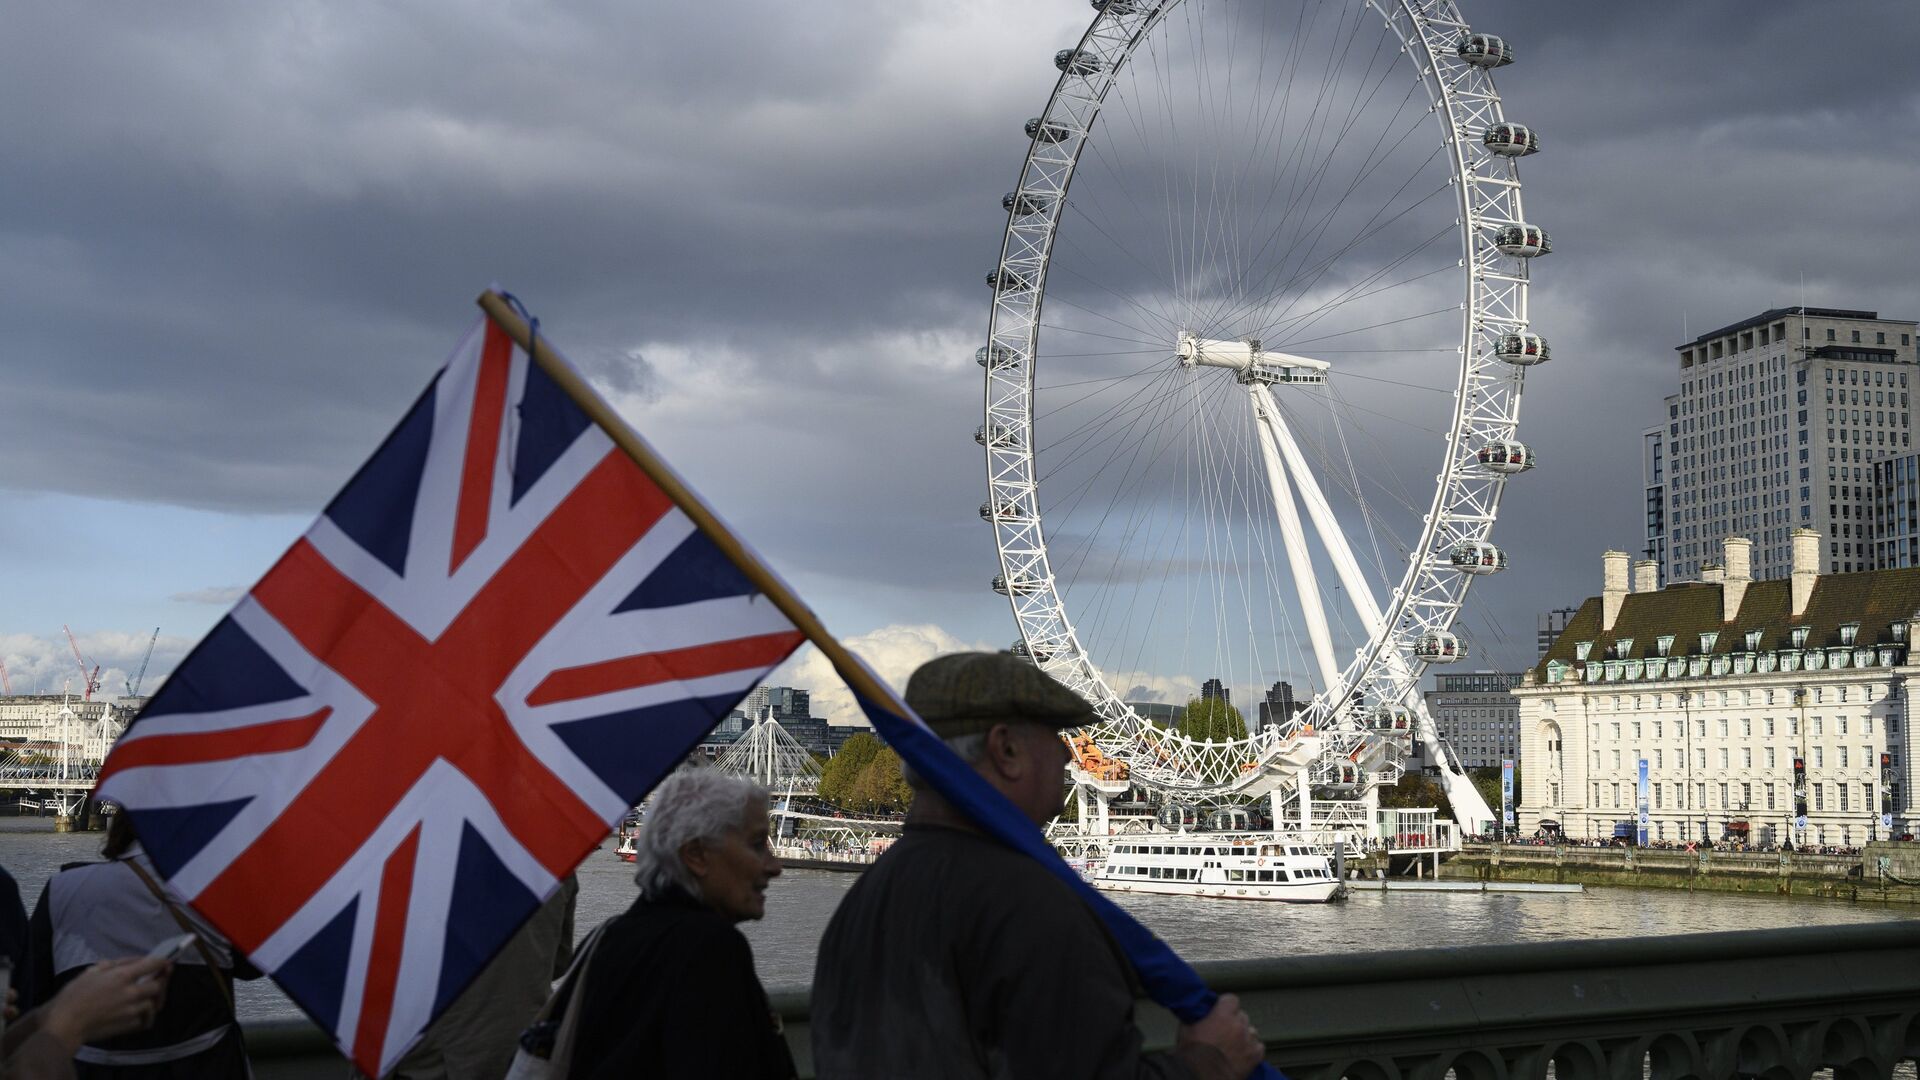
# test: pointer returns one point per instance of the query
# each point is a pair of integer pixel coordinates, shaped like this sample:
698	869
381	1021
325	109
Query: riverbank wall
1884	873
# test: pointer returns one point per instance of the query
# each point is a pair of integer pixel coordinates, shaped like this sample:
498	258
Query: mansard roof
1874	598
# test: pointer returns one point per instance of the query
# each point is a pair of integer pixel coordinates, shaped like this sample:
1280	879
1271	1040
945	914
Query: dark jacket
670	991
956	957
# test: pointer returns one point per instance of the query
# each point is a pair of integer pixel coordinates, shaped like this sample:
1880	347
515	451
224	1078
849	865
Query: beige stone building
1722	685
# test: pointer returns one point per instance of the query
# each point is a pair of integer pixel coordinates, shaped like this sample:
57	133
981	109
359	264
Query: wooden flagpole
856	673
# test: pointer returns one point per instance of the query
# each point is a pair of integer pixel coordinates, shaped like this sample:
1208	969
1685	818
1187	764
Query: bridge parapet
1774	1003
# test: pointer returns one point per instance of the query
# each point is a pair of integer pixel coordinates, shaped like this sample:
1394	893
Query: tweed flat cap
967	693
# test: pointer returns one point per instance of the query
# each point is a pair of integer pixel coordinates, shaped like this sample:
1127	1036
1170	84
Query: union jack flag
497	638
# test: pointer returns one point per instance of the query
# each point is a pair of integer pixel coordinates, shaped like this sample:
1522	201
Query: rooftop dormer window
1581	649
1798	636
1707	639
1753	640
1849	631
1899	630
1664	643
1623	647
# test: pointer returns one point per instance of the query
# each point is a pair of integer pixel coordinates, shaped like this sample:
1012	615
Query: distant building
1777	424
1477	716
1278	706
1896	511
1550	625
1653	474
792	708
1212	690
1756	703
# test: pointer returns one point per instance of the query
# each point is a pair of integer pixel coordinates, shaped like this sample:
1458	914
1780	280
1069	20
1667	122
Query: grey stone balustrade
1766	1003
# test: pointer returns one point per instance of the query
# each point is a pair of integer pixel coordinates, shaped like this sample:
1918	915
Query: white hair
970	748
697	803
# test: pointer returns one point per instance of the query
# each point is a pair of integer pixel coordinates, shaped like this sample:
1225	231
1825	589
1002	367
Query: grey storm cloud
237	237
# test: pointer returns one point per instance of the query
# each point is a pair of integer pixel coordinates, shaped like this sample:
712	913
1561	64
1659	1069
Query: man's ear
1004	749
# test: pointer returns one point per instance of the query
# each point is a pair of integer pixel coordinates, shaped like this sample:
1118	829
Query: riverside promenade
1884	872
1776	1003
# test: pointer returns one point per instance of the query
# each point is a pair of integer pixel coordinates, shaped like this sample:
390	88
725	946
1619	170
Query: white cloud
891	651
45	664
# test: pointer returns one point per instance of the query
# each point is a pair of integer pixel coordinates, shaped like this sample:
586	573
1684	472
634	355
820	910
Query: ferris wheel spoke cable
1276	319
1324	163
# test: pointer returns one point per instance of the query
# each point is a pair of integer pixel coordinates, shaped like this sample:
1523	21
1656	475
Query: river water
801	901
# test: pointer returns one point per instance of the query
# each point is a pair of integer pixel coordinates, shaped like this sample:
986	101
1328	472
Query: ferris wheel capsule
1511	140
1078	62
1006	511
1505	456
1477	557
1524	241
996	356
1007	281
1522	350
1018	586
1025	203
1025	652
1042	131
1391	718
1484	50
1439	647
998	436
1116	7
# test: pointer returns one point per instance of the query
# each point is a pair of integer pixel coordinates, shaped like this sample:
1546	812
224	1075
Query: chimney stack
1646	576
1806	567
1613	586
1739	552
1713	573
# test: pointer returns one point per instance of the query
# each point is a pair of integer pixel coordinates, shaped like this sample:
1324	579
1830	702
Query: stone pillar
1613	586
1646	576
1739	552
1806	568
1713	573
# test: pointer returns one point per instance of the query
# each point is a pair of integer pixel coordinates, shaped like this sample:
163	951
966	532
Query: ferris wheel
1260	260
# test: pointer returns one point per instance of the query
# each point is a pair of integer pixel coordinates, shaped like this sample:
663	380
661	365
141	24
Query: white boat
1233	867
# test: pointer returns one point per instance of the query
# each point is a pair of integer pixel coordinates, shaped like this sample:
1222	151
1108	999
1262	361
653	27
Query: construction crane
133	684
90	680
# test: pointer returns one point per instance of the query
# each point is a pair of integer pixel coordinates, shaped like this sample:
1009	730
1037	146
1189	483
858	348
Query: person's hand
110	998
1227	1030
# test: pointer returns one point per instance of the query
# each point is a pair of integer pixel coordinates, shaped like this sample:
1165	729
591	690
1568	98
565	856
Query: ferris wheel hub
1252	362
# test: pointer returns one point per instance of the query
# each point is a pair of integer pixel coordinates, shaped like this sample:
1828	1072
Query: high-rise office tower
1776	426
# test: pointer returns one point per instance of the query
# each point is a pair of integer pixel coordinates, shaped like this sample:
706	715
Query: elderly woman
670	990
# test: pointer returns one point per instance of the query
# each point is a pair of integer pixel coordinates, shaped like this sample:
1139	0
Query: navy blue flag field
497	638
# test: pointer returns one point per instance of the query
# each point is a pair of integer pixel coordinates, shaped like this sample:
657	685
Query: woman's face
733	869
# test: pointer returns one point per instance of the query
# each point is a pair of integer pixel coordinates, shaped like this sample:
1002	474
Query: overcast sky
237	238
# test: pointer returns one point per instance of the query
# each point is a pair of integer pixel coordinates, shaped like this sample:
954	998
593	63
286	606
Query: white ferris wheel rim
1486	397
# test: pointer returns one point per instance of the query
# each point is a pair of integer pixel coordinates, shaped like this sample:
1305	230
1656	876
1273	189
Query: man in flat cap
955	956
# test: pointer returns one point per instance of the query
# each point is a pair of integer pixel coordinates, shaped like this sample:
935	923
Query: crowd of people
951	956
1541	839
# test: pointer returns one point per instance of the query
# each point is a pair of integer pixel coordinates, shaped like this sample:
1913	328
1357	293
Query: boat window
1236	875
1154	872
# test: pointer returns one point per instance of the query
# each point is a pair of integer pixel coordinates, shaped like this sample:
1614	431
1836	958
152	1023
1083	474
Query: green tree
1416	791
880	785
1487	780
1212	718
842	772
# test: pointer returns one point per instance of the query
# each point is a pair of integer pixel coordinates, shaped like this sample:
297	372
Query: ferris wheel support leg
1331	536
1295	539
